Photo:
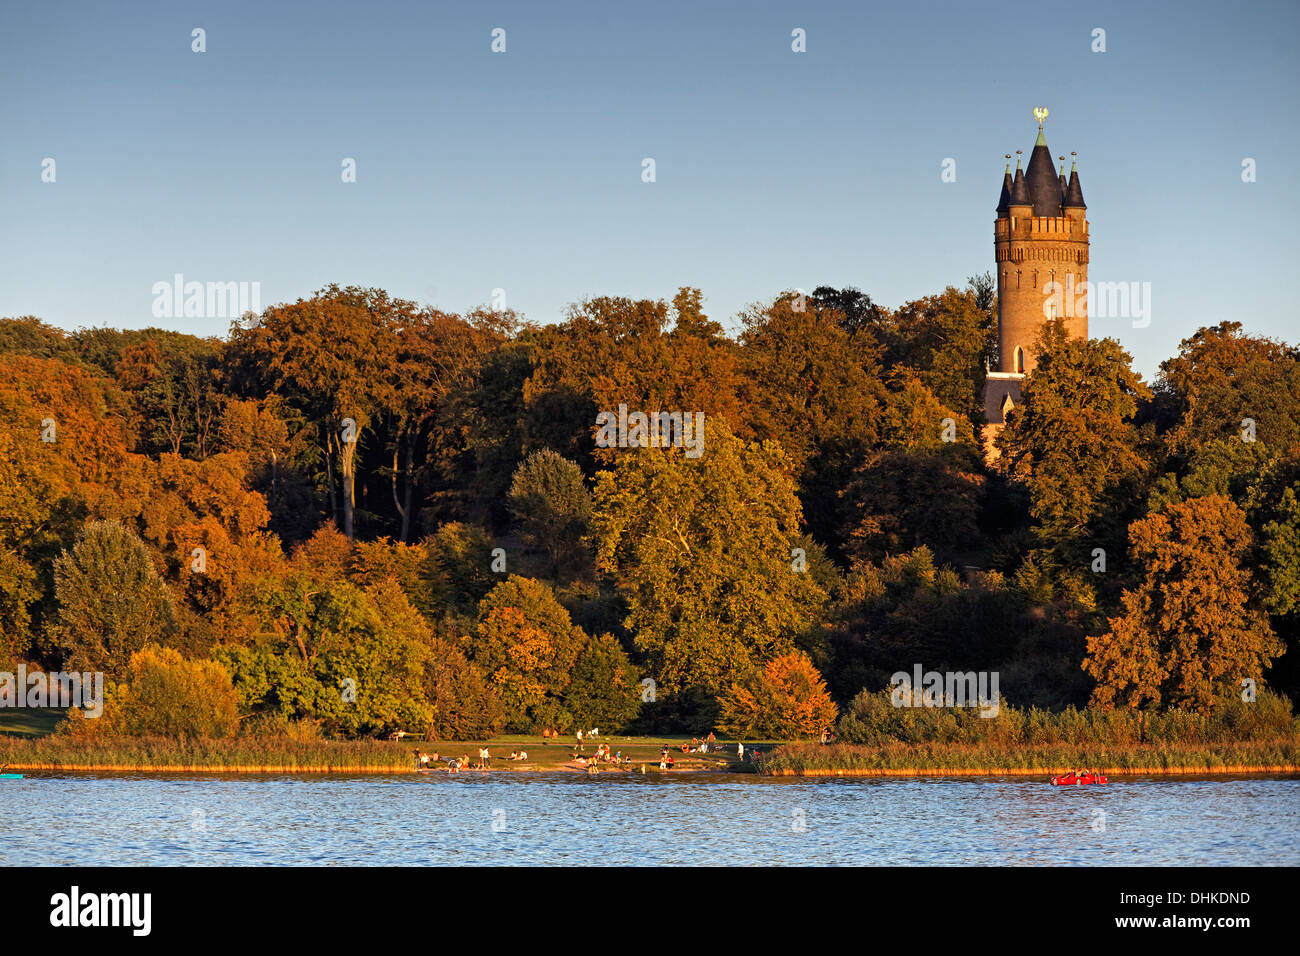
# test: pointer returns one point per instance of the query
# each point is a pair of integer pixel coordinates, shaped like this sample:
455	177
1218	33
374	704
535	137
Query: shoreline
1222	770
889	772
392	771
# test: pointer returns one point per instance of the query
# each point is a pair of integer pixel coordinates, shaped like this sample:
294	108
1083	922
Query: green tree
944	339
605	689
702	550
1282	554
553	506
1073	443
111	600
527	646
352	658
459	565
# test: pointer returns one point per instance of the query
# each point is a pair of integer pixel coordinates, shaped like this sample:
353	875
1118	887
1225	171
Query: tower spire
1019	188
1074	191
1044	183
1004	200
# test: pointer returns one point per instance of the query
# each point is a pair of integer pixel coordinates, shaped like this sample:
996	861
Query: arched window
1020	360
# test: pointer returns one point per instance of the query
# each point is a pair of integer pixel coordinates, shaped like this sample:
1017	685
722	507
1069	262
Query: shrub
165	695
787	699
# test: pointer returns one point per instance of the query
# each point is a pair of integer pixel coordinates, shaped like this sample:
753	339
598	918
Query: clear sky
522	170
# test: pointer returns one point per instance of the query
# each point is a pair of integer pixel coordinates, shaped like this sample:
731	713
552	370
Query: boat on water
11	776
1073	780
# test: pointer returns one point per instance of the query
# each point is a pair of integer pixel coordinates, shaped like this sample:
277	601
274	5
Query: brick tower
1040	241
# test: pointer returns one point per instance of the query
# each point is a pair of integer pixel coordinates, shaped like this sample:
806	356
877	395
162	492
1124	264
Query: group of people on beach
426	761
602	755
701	746
709	744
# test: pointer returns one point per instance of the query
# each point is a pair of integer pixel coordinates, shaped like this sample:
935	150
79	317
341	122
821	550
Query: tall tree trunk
347	469
406	510
329	473
397	452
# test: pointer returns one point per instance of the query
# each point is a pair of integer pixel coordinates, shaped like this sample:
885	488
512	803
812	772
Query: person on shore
523	755
579	740
740	751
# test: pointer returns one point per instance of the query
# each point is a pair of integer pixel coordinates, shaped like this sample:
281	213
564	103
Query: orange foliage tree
1191	630
787	699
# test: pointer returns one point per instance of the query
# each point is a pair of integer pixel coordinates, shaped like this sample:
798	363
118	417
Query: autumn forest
363	515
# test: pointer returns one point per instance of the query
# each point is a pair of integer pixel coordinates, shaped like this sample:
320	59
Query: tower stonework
1040	242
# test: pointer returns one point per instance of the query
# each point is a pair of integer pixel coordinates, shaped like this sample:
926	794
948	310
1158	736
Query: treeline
362	515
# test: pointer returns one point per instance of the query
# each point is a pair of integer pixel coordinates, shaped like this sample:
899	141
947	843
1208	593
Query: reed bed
243	755
902	759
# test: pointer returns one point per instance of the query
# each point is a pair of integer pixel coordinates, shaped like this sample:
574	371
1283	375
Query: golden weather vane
1040	114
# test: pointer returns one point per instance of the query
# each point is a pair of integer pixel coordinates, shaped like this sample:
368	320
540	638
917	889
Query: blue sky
522	170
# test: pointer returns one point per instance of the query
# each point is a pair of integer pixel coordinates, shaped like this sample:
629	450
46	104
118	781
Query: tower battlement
1026	227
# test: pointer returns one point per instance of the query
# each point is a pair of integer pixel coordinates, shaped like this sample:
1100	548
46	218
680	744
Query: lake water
106	819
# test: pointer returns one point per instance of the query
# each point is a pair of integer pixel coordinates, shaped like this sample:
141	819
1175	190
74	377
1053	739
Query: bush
165	695
787	700
872	720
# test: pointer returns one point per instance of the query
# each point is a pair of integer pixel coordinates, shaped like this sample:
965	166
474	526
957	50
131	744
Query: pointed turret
1044	187
1019	188
1062	174
1004	201
1073	191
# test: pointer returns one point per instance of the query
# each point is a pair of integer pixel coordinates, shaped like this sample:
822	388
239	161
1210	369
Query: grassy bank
903	759
30	721
278	755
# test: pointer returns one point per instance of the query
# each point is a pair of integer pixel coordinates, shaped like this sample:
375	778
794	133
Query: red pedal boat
1070	780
